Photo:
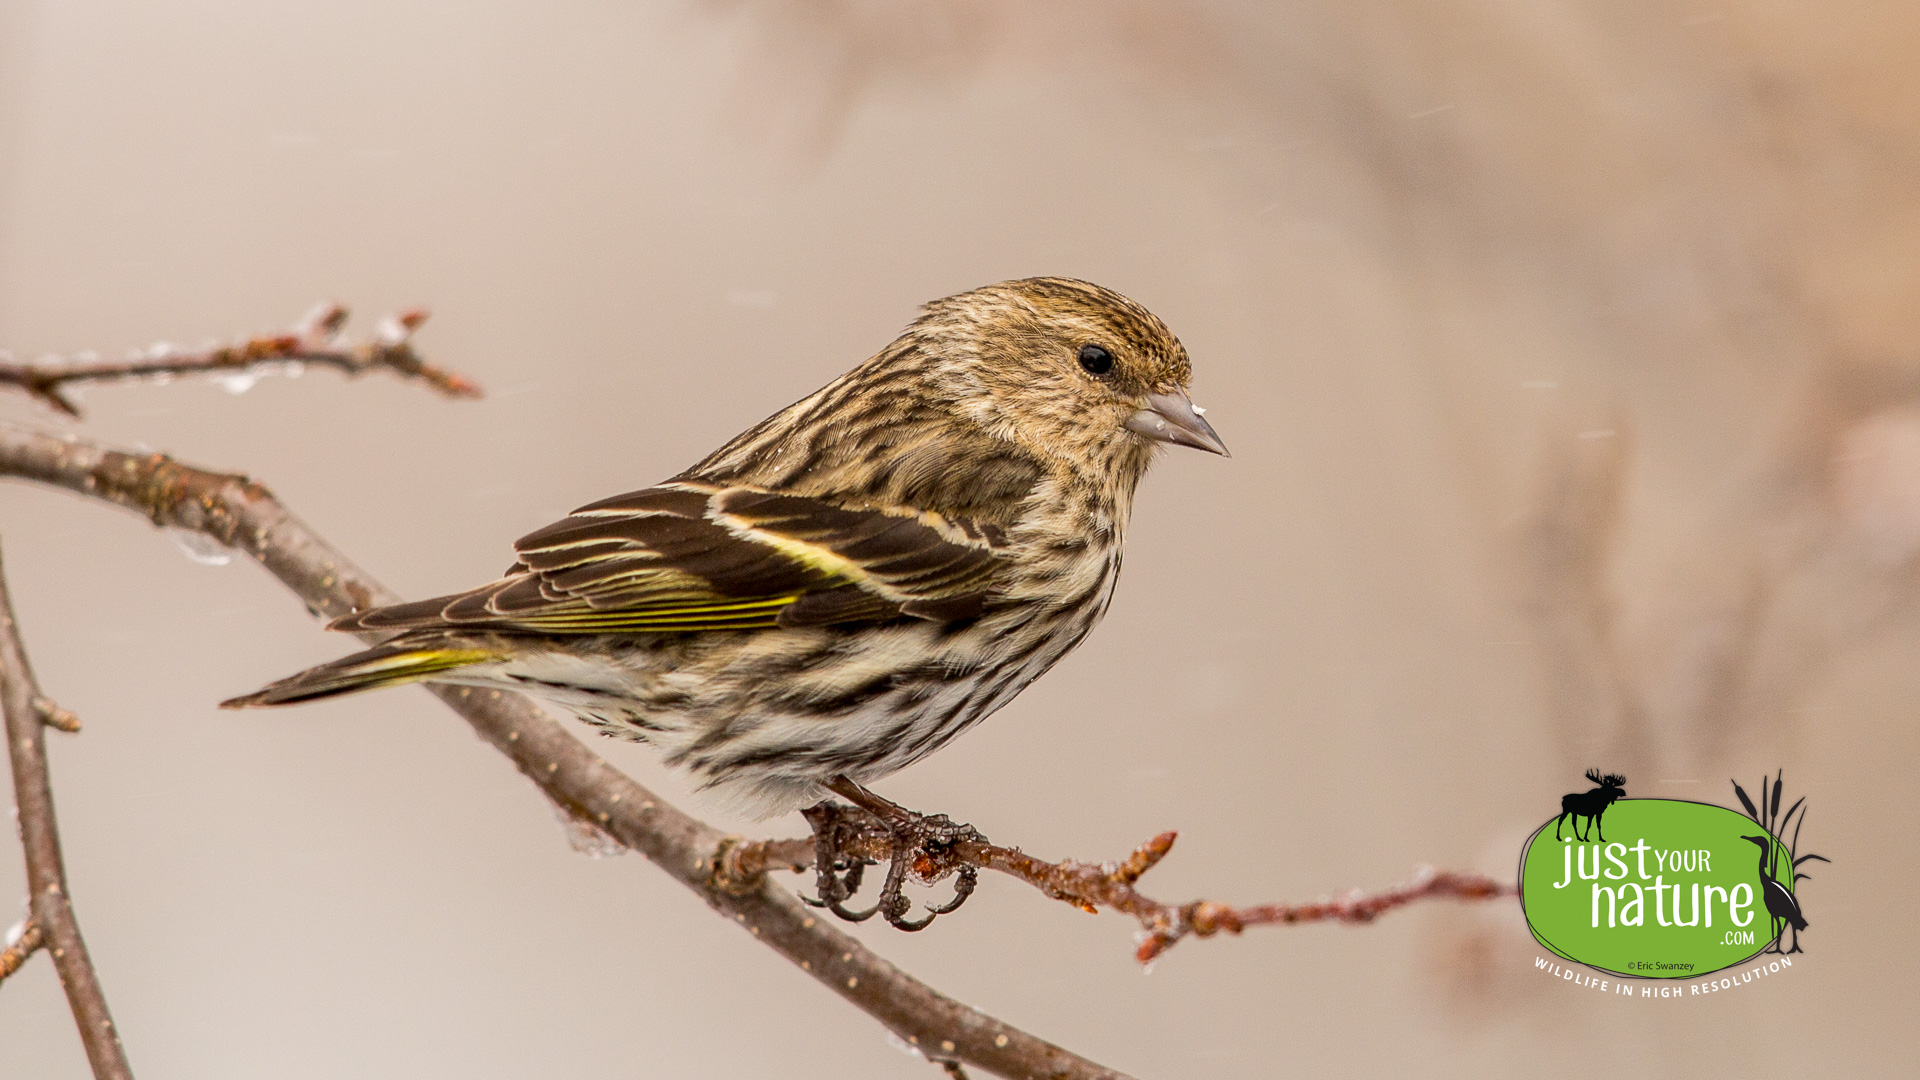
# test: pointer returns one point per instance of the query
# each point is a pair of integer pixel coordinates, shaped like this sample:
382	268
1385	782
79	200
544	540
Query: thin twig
244	515
52	715
52	911
30	941
1091	886
314	340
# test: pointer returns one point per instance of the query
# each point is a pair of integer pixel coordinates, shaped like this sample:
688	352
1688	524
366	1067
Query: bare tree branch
244	515
30	941
51	910
1091	886
314	340
52	715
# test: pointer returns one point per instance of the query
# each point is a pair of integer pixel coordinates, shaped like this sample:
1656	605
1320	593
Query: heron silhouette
1781	905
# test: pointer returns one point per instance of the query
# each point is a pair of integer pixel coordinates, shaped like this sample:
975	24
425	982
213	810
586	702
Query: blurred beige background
1566	350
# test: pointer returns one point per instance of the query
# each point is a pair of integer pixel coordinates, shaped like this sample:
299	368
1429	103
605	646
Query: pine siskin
845	587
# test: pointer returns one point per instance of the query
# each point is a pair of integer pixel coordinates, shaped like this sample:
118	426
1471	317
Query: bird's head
986	394
1065	368
1765	842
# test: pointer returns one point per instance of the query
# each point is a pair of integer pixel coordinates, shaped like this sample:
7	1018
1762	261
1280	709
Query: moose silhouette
1591	804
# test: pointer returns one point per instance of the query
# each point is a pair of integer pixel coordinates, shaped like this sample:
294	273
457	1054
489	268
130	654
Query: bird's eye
1095	360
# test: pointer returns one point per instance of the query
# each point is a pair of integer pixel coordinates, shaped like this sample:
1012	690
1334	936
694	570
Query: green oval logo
1656	888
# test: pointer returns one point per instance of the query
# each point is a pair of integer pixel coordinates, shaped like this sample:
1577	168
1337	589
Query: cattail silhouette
1781	902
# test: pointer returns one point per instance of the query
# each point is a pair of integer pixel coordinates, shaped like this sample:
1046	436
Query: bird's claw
924	844
963	885
836	886
837	875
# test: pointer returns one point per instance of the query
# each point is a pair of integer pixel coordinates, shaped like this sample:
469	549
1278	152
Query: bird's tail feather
383	665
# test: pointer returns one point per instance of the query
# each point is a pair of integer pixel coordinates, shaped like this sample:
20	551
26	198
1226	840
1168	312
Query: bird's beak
1174	418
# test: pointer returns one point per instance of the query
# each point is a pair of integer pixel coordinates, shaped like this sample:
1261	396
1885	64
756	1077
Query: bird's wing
687	556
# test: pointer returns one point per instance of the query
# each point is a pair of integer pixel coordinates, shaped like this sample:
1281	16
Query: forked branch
50	924
315	340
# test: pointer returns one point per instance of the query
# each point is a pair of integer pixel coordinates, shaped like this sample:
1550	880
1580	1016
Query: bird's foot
928	845
925	844
837	829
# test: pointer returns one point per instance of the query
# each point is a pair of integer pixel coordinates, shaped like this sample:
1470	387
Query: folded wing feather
686	556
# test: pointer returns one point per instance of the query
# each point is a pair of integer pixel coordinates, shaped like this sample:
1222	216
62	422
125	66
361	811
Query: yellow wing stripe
635	623
699	610
741	615
812	556
422	662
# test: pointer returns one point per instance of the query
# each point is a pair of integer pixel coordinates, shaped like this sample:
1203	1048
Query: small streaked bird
845	587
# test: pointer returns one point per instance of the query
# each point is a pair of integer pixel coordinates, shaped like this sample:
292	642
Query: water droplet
294	369
586	837
240	383
201	548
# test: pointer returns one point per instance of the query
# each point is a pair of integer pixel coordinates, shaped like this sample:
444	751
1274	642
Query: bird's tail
391	664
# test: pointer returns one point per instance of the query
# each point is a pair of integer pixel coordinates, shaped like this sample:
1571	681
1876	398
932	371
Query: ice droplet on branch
587	838
201	548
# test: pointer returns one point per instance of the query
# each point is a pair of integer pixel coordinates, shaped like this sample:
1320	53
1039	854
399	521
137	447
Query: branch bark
314	340
28	714
15	955
244	515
